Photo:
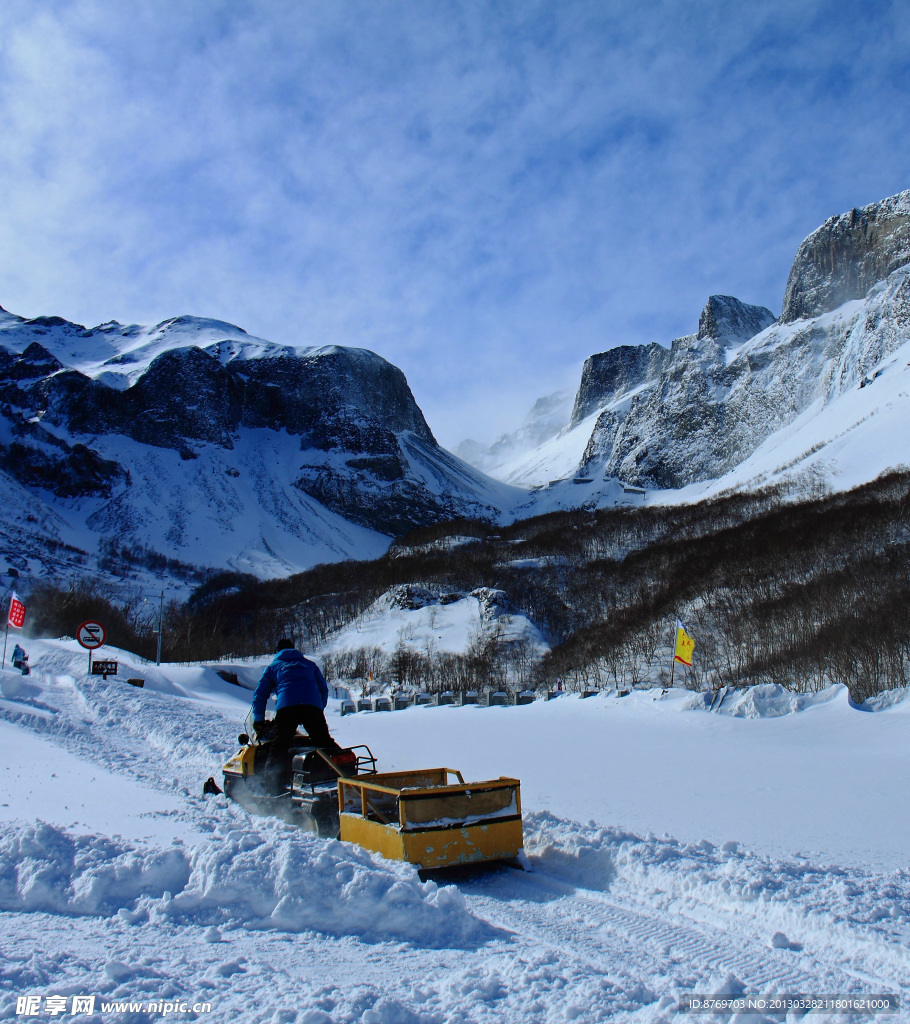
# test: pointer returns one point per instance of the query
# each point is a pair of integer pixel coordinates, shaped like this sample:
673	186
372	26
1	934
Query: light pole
160	624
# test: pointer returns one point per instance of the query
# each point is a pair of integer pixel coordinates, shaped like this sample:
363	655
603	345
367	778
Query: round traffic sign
91	635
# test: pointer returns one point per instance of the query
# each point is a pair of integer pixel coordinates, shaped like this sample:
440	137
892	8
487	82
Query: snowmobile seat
313	768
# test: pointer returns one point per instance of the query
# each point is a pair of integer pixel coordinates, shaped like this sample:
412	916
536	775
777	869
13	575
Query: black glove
260	727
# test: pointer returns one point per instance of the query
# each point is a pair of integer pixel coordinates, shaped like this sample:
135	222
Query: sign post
91	636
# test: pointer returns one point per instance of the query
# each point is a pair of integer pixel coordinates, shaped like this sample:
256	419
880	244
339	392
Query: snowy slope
758	851
195	441
427	621
555	459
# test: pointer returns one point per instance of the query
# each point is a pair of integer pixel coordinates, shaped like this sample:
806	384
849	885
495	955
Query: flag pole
673	653
6	635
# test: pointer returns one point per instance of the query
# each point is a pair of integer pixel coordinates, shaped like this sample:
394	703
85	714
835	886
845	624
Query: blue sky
485	193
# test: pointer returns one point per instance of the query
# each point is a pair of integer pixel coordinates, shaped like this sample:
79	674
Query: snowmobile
312	799
418	816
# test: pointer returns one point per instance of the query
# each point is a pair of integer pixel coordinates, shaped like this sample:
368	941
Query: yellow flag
685	645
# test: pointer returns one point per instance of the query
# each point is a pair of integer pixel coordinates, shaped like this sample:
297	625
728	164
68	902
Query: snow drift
291	881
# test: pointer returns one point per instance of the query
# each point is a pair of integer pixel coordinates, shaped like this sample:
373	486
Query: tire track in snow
143	734
609	933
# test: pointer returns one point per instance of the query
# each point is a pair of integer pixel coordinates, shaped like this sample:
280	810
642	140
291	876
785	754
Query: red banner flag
16	612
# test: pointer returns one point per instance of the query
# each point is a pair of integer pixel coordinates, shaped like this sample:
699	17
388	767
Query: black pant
284	729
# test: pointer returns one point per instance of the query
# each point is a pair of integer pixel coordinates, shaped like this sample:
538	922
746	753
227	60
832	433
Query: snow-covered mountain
196	441
547	417
748	400
192	440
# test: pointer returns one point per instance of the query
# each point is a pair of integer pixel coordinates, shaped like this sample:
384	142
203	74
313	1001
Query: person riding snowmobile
301	696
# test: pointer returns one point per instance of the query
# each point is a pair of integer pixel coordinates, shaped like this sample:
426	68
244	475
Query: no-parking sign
91	635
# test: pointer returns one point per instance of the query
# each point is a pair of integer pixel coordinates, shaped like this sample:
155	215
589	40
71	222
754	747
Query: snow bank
296	882
771	700
898	699
44	868
280	878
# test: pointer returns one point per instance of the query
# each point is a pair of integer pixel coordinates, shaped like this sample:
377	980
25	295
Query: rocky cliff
665	422
846	256
718	394
608	376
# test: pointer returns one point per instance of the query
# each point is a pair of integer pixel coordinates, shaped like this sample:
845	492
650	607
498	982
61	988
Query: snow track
600	931
690	948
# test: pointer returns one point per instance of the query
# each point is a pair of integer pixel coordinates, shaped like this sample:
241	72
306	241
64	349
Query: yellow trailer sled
420	817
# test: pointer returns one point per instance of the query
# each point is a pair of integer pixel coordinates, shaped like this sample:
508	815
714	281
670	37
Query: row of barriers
398	702
496	698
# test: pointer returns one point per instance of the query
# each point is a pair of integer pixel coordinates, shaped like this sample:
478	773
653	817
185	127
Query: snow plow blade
419	817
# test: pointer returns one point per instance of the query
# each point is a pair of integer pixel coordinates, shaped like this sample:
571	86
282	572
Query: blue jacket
295	680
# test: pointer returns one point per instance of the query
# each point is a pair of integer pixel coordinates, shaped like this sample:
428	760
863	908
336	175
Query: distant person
301	696
19	657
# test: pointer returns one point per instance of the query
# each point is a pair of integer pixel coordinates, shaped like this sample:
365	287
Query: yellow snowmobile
312	800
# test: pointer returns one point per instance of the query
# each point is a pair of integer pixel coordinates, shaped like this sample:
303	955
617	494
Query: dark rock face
336	398
846	256
729	320
37	458
343	399
75	472
611	374
674	428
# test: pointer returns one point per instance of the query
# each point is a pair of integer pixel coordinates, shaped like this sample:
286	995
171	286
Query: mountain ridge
195	438
667	418
88	417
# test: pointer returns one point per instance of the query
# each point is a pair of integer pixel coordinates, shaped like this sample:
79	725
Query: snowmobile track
606	932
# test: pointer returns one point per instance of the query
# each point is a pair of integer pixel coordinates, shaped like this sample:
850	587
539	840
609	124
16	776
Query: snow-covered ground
759	849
